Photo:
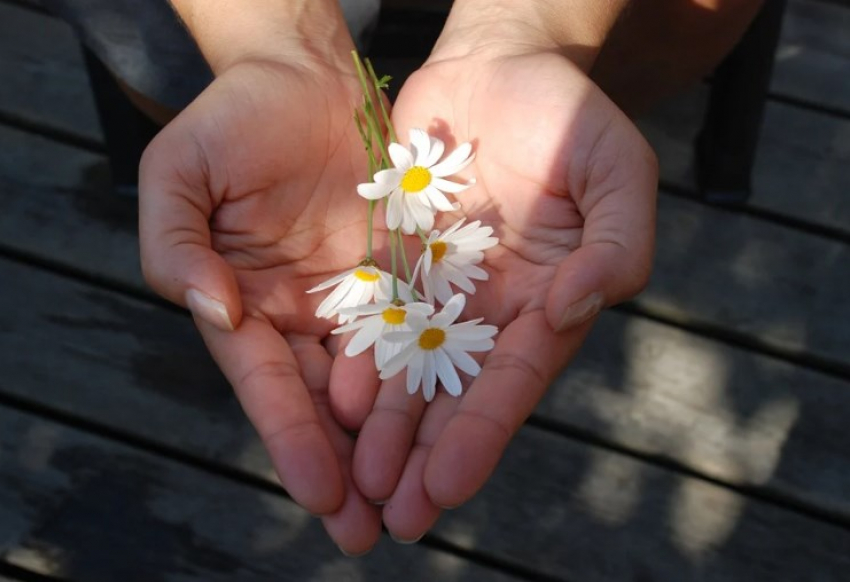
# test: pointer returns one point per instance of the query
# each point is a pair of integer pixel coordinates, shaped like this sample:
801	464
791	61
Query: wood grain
140	370
77	506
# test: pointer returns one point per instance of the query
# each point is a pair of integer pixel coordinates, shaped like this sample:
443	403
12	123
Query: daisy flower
376	320
434	347
354	287
450	259
416	186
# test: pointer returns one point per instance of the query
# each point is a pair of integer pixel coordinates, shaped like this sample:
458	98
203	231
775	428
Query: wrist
576	29
294	31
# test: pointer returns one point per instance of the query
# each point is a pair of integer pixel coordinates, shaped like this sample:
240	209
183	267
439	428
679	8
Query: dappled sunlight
612	488
702	516
285	524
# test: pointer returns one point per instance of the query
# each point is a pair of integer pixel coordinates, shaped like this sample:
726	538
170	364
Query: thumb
175	206
614	260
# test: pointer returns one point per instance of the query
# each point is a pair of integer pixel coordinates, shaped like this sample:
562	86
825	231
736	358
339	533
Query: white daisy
451	258
380	317
434	347
416	186
357	286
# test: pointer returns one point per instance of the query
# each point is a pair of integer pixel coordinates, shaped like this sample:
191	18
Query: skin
248	197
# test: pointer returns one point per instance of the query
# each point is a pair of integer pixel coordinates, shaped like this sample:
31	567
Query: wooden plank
801	165
813	58
741	418
78	506
561	508
748	420
45	81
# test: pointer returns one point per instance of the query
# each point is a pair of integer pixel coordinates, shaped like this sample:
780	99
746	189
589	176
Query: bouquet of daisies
397	317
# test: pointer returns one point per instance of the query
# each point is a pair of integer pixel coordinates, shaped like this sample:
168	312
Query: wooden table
702	434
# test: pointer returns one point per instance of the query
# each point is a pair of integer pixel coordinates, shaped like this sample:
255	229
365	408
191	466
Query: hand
246	200
569	185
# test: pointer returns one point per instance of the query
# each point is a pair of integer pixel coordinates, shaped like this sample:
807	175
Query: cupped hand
246	201
569	186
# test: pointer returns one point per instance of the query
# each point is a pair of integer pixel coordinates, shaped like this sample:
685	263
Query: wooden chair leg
726	146
126	130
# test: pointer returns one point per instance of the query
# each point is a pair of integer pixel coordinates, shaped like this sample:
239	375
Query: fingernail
378	501
582	310
405	542
350	555
208	309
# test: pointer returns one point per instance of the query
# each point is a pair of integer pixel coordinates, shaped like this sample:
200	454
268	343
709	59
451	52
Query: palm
265	178
554	161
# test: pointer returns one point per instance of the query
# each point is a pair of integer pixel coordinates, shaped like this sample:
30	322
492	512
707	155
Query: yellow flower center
367	276
415	179
393	315
432	338
438	250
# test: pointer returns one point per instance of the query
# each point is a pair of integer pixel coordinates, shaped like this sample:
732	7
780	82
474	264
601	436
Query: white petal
437	148
395	210
429	376
419	307
416	321
384	351
419	263
332	281
463	332
454	162
464	362
389	176
370	309
439	201
484	345
450	230
454	306
421	143
374	191
327	308
364	338
397	363
447	373
461	281
422	215
449	186
401	336
400	156
427	260
442	289
414	372
474	272
351	326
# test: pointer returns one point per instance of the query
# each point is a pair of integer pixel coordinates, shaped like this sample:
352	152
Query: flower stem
379	84
394	262
406	265
369	110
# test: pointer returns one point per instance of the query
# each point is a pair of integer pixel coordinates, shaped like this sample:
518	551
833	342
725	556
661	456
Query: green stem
380	94
422	236
407	273
394	265
369	110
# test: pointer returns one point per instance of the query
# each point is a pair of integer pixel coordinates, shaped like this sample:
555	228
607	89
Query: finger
267	379
410	512
353	386
515	375
385	439
356	526
175	207
615	257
